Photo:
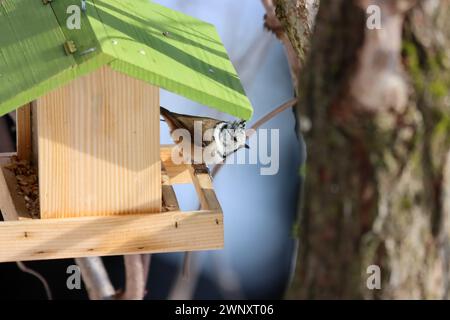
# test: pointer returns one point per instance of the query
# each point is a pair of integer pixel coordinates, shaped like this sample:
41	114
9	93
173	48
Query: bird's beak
247	146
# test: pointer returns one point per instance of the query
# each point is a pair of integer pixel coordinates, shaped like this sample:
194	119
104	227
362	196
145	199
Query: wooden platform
23	238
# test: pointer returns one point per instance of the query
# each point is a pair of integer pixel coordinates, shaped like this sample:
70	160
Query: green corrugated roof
137	37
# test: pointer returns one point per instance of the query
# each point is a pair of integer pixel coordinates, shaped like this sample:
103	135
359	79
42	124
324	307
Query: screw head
114	42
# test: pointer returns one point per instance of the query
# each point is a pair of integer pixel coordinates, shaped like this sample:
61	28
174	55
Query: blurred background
259	210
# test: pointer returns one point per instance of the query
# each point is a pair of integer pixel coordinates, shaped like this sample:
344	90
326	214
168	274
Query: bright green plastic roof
137	37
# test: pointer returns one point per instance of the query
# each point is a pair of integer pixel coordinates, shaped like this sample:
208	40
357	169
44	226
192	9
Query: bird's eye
235	139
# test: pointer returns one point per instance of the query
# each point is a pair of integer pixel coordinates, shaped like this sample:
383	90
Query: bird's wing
177	121
171	119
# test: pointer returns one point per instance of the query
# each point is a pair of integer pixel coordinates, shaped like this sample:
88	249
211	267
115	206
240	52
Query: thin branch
227	278
289	104
186	271
134	274
266	118
184	287
96	278
36	274
146	261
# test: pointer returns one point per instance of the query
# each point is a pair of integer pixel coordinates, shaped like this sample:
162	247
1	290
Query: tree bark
378	170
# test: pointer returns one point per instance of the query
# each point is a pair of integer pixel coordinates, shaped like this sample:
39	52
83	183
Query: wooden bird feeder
89	177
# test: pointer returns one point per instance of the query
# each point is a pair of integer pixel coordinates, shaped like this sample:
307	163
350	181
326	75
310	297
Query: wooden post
99	148
23	128
170	202
34	135
204	186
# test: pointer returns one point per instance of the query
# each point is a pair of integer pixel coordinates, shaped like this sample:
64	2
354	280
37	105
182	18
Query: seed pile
28	184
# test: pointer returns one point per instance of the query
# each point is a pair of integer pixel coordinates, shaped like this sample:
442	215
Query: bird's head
231	137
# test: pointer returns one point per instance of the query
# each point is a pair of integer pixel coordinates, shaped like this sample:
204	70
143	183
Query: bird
219	138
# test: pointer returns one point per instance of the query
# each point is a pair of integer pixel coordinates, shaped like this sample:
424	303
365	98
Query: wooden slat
34	135
205	190
7	205
23	127
113	235
99	150
169	198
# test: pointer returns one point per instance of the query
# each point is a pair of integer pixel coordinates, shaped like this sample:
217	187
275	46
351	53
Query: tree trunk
377	188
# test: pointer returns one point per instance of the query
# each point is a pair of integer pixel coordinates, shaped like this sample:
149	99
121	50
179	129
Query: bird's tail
164	112
170	119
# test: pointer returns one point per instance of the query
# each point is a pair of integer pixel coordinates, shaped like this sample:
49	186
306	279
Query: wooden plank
34	135
99	151
12	205
23	127
112	235
205	190
6	202
178	174
170	202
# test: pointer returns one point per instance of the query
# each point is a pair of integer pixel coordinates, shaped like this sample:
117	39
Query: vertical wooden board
169	198
205	190
34	135
98	143
23	125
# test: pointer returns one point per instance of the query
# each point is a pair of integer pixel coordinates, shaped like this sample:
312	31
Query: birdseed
27	184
